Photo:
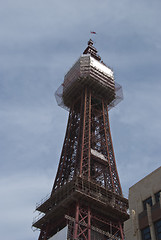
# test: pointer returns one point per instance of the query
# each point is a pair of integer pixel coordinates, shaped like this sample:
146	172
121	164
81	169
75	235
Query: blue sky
39	42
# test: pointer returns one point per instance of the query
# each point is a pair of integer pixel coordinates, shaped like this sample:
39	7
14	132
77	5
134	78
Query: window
157	196
146	234
158	229
149	201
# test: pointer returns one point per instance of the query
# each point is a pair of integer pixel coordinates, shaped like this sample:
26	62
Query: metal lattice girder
88	130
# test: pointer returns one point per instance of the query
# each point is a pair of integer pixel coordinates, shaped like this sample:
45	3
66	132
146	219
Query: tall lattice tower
86	198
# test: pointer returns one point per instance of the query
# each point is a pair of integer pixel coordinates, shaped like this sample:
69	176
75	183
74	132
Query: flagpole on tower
92	33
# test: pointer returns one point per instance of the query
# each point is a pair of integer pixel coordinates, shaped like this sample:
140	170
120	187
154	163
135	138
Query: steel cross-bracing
88	150
86	195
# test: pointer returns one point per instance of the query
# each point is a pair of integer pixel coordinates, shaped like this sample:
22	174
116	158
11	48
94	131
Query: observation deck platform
89	72
100	199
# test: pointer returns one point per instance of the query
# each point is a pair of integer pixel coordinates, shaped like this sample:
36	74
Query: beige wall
145	188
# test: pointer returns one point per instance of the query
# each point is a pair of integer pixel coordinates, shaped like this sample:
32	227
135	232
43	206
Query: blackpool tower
86	199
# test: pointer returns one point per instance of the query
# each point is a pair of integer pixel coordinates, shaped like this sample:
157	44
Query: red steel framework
87	195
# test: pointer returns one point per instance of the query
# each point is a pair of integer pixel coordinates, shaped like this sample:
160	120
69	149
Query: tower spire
92	50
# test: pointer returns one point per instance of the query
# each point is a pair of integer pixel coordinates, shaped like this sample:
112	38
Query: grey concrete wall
143	189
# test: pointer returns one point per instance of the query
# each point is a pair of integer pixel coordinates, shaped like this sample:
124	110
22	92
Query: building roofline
147	176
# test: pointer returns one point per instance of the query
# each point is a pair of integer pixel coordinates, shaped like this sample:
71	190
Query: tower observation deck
86	197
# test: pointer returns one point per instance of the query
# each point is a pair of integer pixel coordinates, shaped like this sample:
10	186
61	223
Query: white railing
38	217
43	200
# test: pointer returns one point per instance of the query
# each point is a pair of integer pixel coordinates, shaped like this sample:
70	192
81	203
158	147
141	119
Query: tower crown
89	71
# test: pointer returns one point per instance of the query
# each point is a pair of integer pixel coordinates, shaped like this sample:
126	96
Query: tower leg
82	227
76	221
89	223
121	231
